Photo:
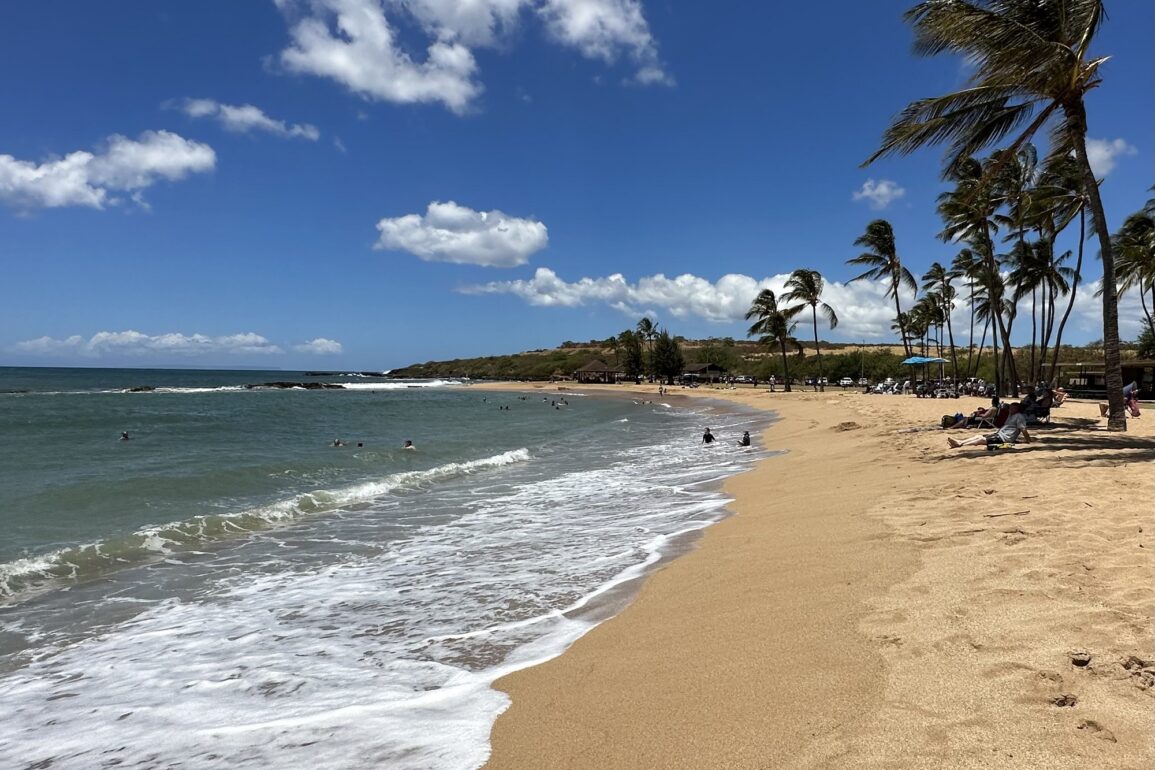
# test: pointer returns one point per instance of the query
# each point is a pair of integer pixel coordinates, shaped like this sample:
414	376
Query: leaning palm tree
883	262
805	287
938	279
773	325
1032	69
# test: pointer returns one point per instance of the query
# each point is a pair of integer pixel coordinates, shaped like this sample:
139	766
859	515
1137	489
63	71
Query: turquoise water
227	588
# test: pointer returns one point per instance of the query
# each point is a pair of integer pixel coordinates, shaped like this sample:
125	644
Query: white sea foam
399	384
150	543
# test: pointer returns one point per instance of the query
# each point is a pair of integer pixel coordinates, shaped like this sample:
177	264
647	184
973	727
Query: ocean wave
157	543
399	384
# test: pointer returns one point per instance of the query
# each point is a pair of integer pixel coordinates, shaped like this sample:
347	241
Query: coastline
878	600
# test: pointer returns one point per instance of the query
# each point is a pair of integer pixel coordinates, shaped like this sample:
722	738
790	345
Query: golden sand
879	601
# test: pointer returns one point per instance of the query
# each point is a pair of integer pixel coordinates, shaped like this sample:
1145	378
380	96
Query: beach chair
998	421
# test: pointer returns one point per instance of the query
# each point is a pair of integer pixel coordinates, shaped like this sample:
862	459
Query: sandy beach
878	601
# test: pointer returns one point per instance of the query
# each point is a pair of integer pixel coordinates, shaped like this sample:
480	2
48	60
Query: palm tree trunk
953	352
898	317
1117	418
1012	372
971	337
998	367
982	344
1143	302
1054	373
1034	330
785	365
817	351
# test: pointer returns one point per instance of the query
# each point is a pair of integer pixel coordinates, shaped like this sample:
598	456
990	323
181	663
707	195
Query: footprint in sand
1094	728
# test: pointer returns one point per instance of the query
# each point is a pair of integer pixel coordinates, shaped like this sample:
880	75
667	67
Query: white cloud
320	346
356	42
242	119
880	194
864	311
134	343
451	233
605	29
360	51
1102	154
84	178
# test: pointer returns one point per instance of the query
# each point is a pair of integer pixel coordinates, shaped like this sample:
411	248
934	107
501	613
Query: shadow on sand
1082	440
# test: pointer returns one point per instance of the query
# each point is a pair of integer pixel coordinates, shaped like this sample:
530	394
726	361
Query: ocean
227	588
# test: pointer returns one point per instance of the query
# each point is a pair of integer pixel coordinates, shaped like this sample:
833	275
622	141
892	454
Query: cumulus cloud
353	43
864	310
244	118
134	343
606	29
1103	152
448	232
320	346
90	179
879	194
356	42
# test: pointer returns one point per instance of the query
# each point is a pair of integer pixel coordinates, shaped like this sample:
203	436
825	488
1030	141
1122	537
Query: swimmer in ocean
124	435
707	437
408	445
745	440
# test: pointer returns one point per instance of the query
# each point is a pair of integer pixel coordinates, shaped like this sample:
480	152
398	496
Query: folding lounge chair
998	420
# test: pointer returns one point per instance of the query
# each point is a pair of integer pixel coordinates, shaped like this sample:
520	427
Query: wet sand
878	601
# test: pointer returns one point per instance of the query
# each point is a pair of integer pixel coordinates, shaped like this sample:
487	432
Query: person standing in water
707	437
745	440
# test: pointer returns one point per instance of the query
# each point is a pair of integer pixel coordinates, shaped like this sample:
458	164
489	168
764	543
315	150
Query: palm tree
969	214
1031	69
773	325
938	279
966	265
648	331
805	287
882	260
1060	196
1135	245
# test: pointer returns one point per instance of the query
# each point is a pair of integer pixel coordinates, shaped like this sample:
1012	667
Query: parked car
863	382
846	382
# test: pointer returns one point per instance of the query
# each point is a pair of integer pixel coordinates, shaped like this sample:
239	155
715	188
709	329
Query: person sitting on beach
1130	401
976	417
1059	395
408	445
745	440
1015	425
707	437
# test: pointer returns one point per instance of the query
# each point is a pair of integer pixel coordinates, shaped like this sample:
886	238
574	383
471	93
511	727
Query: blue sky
364	184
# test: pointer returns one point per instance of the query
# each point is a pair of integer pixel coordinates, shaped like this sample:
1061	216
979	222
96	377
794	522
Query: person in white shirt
1015	425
